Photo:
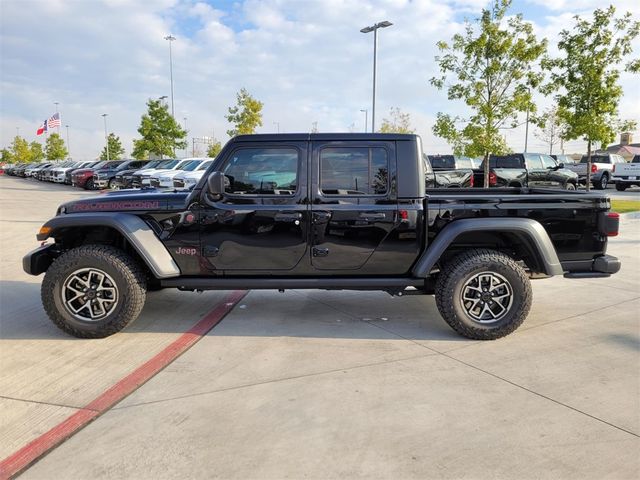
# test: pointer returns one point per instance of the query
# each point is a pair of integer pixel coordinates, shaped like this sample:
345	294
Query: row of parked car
442	171
532	170
117	174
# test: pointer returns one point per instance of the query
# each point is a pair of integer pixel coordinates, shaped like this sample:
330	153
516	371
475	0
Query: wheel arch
124	230
527	238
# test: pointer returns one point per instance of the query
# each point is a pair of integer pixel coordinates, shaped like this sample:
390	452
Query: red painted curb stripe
24	457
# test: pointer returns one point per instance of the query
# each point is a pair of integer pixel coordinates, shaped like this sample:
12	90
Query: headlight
189	181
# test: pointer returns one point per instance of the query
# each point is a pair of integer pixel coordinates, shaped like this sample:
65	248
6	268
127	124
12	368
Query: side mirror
216	183
561	165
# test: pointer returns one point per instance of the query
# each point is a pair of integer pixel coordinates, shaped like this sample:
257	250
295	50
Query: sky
306	60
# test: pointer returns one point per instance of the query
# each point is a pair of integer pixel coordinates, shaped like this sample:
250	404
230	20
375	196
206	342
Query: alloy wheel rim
486	297
89	294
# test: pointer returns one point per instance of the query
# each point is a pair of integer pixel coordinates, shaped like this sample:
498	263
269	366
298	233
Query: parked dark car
105	176
68	180
446	177
526	170
124	177
83	178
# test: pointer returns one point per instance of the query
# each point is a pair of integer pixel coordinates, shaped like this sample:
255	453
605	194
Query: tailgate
626	170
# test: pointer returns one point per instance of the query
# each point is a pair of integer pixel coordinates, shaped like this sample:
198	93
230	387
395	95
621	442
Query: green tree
115	148
6	156
398	123
37	153
246	115
586	75
494	67
54	148
214	149
20	151
161	134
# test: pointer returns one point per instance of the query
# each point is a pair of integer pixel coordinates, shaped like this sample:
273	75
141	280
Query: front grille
154	182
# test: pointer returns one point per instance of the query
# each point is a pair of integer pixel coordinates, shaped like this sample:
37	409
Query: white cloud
306	60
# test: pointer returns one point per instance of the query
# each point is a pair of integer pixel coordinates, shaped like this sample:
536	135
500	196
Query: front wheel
570	186
112	184
483	294
89	185
93	291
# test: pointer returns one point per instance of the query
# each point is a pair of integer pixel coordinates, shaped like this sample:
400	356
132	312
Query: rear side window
548	162
262	171
596	159
354	171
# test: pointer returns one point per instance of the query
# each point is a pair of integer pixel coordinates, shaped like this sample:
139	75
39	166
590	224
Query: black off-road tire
456	274
621	187
112	184
89	185
570	186
129	279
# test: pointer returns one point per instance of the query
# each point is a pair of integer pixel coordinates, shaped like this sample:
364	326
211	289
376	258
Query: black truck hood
128	201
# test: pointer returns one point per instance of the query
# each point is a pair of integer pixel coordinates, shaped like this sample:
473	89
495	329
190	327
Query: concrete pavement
321	384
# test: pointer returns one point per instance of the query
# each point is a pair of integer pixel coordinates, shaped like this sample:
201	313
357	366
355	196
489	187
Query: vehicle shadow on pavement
305	314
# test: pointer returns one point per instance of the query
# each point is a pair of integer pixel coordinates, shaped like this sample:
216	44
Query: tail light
609	223
594	168
614	168
493	179
471	180
404	215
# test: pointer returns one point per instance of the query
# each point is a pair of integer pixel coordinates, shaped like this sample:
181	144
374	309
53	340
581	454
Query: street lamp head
104	114
384	24
163	97
367	29
376	26
170	37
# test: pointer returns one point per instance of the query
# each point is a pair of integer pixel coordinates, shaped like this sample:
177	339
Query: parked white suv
187	180
164	179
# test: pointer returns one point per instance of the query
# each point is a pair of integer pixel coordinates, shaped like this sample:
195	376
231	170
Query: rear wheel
93	291
621	187
602	183
483	294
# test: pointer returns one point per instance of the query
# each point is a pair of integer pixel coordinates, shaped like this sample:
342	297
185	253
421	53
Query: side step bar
331	283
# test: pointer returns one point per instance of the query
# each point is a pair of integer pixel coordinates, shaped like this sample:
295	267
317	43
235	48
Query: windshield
204	165
191	166
99	164
113	164
169	164
154	164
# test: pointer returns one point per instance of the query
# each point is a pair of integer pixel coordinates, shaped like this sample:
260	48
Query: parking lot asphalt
321	384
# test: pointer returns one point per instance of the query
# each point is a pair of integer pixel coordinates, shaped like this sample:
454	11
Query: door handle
320	252
373	215
288	217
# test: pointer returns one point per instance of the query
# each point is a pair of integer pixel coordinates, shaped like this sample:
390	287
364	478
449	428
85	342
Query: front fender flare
530	229
133	228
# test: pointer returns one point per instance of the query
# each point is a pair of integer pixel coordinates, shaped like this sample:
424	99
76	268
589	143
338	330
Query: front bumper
603	266
38	261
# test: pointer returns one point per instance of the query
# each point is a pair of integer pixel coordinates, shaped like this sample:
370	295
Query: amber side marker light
44	231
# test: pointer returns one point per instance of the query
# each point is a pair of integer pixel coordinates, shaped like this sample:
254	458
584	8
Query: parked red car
83	177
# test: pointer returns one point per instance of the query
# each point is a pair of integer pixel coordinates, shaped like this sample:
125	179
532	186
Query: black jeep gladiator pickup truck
320	211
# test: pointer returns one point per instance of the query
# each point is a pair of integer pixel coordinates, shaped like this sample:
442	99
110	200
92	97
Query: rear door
354	206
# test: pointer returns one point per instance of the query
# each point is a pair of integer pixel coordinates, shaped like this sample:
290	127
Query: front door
260	224
354	205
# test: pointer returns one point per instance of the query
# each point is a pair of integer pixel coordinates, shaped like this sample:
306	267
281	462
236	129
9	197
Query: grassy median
625	206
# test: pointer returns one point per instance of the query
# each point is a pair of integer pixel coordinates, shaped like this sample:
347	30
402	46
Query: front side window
548	162
354	171
262	171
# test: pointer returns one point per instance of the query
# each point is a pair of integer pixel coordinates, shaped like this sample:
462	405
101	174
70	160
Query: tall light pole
17	131
526	128
366	118
374	29
186	145
277	124
106	137
171	38
68	145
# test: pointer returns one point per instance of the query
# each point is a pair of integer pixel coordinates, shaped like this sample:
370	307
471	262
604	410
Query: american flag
54	121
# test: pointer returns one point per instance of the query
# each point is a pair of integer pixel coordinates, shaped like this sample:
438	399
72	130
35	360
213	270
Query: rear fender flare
530	229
